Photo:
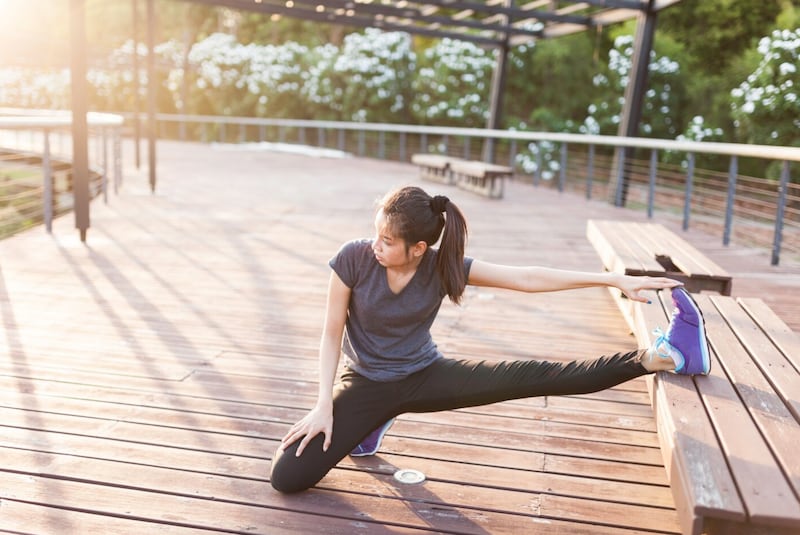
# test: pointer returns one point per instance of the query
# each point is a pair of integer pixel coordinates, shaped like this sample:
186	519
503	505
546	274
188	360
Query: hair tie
439	204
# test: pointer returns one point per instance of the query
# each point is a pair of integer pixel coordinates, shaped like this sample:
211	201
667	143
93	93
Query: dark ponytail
415	216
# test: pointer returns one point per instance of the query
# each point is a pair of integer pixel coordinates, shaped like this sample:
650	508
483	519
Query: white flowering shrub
544	154
661	101
370	79
452	85
766	106
34	88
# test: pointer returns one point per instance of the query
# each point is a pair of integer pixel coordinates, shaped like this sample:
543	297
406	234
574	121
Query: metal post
733	171
151	94
341	140
466	147
782	194
137	84
47	170
635	90
361	143
403	157
619	197
117	159
562	172
590	172
104	177
495	120
381	145
512	154
80	131
687	199
537	177
651	190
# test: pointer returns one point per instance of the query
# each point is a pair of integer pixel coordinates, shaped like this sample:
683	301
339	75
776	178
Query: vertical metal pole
733	171
635	90
47	170
537	177
151	94
466	147
381	145
512	154
620	182
687	199
137	84
361	143
590	172
651	190
562	172
104	177
117	159
495	120
423	143
782	194
342	144
80	131
403	156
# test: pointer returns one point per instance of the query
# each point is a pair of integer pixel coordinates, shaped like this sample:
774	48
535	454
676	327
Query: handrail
770	152
47	121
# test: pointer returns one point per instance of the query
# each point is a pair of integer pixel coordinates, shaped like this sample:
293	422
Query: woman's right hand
318	420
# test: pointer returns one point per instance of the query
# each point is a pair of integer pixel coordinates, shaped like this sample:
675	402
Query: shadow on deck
148	375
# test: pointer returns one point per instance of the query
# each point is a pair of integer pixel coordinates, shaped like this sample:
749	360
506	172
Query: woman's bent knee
291	474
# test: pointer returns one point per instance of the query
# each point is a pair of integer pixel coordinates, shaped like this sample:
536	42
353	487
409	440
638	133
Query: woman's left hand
631	286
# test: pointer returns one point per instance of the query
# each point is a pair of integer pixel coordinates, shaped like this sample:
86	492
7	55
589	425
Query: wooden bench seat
435	167
652	249
730	440
480	177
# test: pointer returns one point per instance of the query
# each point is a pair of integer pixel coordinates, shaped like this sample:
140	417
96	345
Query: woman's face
390	251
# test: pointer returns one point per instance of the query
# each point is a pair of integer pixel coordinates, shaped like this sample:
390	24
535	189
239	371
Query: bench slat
689	443
613	249
686	257
784	338
633	234
730	392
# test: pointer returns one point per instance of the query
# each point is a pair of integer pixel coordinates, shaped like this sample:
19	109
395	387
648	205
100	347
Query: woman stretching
383	297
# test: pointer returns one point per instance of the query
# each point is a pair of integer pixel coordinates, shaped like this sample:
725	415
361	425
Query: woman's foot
684	347
371	444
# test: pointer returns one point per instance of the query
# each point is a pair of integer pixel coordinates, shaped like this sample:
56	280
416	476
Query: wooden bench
652	249
435	167
480	177
484	178
730	440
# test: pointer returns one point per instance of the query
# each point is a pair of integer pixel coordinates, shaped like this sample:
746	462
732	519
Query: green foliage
766	106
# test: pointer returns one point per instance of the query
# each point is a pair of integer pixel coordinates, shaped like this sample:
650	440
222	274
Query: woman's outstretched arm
543	279
320	418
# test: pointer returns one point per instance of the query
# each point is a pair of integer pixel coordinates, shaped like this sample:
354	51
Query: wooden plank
781	335
765	492
701	481
613	250
636	237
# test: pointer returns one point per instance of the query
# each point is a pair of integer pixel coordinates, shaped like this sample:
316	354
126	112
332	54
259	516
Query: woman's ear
418	249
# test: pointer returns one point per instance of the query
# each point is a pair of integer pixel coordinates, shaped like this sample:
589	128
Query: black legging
361	405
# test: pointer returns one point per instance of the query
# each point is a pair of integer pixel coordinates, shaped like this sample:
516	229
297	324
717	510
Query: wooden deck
148	375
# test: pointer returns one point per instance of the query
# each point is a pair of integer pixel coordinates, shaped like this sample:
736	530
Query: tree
766	106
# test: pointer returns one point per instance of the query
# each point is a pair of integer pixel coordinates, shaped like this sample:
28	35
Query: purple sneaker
370	445
685	341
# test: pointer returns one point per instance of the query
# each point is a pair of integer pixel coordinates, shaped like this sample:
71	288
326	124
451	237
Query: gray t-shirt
387	336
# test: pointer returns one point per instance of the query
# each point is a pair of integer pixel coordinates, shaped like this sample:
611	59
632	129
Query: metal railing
28	157
651	174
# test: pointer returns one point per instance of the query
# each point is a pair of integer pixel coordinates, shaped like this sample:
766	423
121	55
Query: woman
383	297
